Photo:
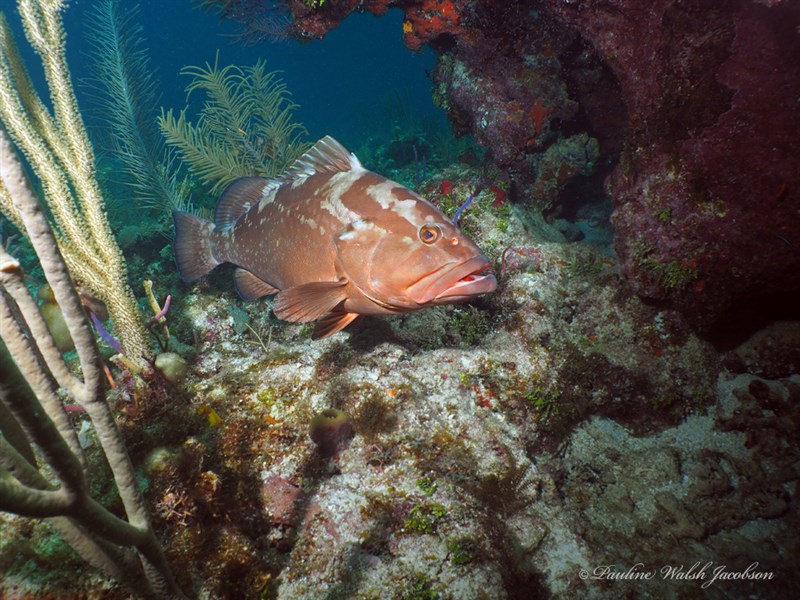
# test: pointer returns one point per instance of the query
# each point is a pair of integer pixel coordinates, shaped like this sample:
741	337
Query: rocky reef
507	449
706	190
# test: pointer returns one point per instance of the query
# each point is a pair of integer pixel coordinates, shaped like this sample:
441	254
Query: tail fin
192	246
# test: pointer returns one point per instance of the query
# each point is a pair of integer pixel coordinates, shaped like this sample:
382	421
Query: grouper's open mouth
455	283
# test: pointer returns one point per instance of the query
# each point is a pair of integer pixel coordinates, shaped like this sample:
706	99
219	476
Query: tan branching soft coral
56	146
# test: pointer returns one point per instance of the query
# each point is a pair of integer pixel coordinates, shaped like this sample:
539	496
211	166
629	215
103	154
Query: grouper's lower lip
456	283
466	287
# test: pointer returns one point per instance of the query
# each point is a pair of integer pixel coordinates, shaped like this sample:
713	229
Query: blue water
341	83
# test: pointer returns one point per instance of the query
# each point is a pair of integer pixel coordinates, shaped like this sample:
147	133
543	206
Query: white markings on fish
384	194
355	164
267	196
407	209
359	226
336	187
310	222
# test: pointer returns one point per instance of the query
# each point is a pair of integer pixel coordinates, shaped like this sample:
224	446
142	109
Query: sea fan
125	94
258	20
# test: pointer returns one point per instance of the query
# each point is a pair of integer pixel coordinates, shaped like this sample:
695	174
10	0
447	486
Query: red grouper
334	241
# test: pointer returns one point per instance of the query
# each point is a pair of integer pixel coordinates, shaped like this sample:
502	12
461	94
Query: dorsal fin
326	156
238	197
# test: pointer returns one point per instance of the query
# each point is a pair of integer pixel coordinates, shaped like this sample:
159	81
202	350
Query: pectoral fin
331	323
309	301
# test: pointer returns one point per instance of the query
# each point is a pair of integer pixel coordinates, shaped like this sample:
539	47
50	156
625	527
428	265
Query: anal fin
251	287
331	323
310	301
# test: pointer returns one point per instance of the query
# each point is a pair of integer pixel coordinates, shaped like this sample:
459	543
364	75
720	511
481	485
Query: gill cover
357	247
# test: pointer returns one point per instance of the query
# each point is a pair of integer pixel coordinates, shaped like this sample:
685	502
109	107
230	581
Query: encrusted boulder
706	190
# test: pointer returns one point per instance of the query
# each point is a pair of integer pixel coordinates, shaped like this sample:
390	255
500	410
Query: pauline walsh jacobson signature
707	573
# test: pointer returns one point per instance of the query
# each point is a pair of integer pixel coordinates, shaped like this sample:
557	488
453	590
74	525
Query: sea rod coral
60	154
31	403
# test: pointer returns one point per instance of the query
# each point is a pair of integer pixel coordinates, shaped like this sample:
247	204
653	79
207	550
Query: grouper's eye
429	233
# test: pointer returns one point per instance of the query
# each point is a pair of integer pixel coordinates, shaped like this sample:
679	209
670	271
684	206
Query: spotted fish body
333	241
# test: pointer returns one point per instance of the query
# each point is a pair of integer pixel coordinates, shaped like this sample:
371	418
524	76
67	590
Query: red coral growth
493	89
538	114
425	19
280	497
430	19
446	187
500	197
377	7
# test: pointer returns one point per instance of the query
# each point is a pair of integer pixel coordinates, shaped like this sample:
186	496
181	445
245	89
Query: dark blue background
342	82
